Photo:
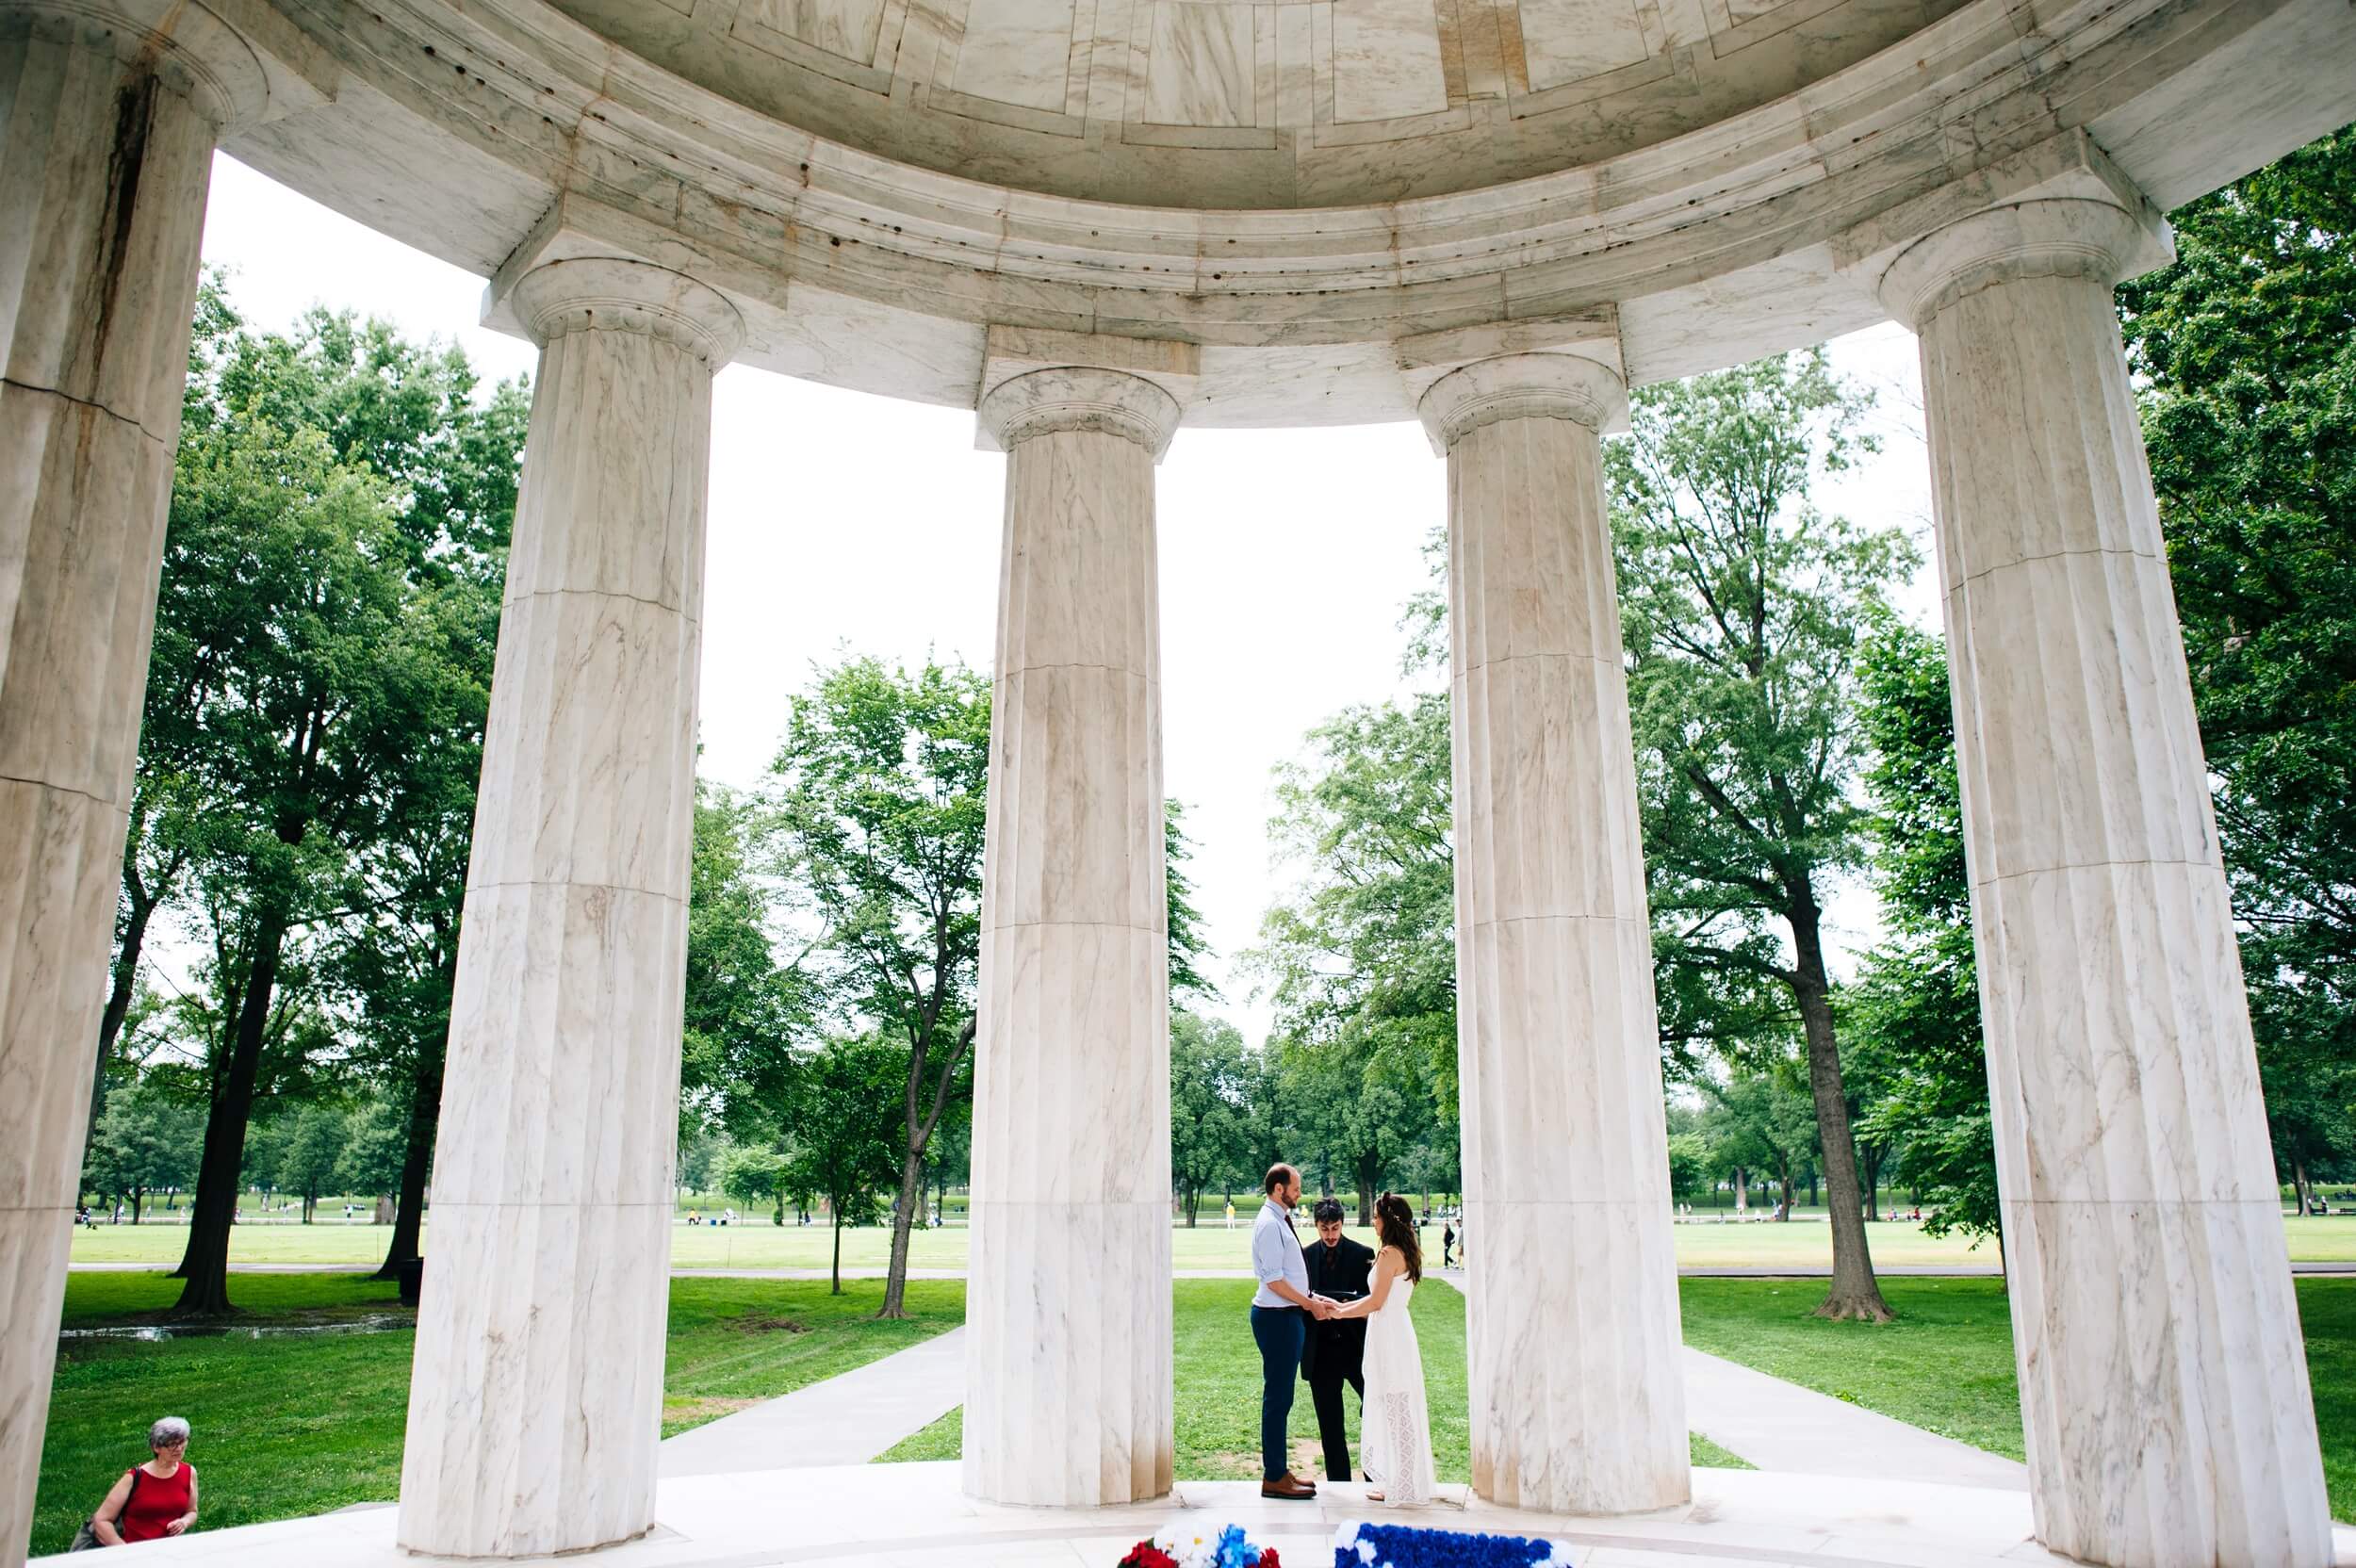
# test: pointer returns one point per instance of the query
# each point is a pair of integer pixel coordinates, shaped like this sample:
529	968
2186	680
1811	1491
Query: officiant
1340	1269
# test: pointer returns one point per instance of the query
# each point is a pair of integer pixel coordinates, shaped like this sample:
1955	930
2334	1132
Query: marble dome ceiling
1237	104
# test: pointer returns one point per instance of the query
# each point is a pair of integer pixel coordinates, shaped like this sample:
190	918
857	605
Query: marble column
105	151
2164	1388
1576	1396
1068	1362
535	1403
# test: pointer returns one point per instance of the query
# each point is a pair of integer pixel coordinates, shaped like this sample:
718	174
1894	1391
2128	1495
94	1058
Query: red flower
1267	1557
1146	1555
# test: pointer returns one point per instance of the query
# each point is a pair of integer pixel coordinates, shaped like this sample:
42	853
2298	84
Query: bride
1396	1439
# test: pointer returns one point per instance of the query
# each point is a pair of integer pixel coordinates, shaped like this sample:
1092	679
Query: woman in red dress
155	1500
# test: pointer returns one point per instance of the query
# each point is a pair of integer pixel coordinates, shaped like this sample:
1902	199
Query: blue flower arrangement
1402	1547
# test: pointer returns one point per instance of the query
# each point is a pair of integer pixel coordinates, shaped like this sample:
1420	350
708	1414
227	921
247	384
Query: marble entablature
482	132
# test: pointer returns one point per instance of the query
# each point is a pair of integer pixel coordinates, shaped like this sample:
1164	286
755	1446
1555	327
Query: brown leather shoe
1289	1488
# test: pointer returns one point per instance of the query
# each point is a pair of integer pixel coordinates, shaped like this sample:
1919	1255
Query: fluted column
1577	1400
535	1401
2164	1389
105	151
1068	1371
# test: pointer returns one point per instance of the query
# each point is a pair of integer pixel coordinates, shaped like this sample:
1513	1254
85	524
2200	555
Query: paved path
1781	1426
847	1419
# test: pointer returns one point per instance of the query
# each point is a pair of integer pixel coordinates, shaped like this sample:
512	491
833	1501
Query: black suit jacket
1343	1273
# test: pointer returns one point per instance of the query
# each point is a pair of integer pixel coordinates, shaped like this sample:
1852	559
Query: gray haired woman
151	1500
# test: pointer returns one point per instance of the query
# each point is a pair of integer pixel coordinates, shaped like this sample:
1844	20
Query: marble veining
1068	1370
2164	1391
540	1338
1571	1325
89	418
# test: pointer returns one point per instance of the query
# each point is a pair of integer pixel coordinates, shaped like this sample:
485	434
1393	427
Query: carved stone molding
1078	397
2069	238
237	61
1522	386
618	295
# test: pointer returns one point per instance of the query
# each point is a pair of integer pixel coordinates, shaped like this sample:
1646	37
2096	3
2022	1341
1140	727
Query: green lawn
299	1425
1801	1243
1946	1363
1216	1371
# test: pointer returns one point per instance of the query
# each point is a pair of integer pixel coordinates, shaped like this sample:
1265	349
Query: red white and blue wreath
1402	1547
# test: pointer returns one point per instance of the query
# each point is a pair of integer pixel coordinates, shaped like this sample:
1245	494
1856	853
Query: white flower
1347	1537
1365	1552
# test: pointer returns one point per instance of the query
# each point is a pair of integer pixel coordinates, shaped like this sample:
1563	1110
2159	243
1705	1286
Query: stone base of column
1068	1362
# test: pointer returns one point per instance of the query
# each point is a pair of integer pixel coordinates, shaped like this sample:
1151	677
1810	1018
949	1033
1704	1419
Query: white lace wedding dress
1395	1430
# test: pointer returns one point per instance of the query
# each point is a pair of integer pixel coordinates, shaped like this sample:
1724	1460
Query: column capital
1080	397
615	294
2072	237
1521	386
237	61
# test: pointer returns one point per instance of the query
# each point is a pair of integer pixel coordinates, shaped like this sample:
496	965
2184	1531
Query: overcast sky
839	520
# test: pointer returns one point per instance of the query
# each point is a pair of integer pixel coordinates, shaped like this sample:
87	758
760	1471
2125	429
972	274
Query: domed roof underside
1237	104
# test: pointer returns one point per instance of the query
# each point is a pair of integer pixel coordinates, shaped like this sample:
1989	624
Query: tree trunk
1873	1179
137	1194
1814	1176
911	1194
1785	1214
118	1006
205	1264
1742	1190
425	1110
837	1249
1369	1172
1855	1292
1194	1205
2301	1194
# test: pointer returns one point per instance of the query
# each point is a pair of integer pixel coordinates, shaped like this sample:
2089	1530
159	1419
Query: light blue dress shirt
1276	1255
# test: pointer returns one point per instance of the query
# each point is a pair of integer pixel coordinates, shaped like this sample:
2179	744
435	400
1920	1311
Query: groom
1280	1311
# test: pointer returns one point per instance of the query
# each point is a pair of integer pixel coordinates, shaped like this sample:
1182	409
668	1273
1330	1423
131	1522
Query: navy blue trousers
1283	1333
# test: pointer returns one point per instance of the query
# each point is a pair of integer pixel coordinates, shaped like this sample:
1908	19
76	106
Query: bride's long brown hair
1395	1226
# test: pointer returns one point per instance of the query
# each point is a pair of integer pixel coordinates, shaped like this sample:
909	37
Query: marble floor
914	1516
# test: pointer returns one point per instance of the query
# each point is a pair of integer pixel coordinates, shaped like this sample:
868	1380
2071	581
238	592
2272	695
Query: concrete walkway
1781	1426
847	1419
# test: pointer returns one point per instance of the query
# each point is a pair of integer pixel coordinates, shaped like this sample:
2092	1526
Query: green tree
848	1136
879	807
1207	1104
322	628
1360	961
744	1009
751	1173
1189	947
1762	1119
148	1140
2245	350
877	817
310	1157
1916	1000
1689	1166
376	1148
1741	607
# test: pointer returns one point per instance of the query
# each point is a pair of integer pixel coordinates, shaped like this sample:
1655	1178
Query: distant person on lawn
151	1500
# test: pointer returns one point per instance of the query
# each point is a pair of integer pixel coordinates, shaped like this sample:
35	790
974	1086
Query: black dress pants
1325	1393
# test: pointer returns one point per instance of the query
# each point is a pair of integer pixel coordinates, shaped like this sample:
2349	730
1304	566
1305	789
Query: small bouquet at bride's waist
1182	1546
